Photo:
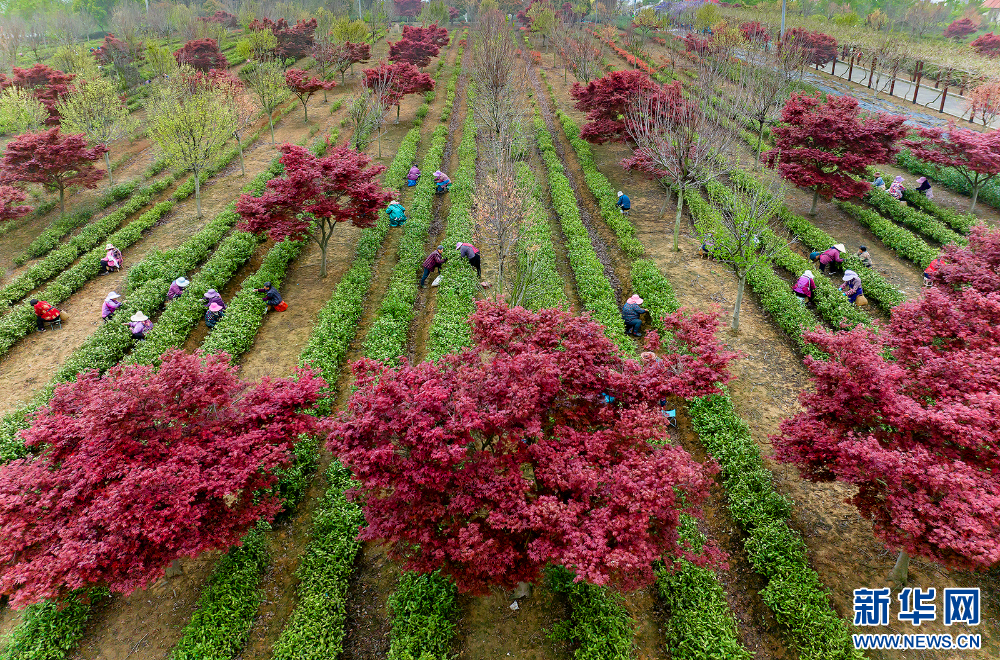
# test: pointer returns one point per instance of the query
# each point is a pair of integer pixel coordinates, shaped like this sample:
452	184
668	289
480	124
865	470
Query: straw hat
138	317
840	247
215	307
620	193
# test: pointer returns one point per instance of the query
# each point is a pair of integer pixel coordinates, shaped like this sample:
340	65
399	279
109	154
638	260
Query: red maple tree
46	84
316	194
417	53
346	55
453	13
113	51
493	462
960	28
695	44
987	45
974	155
223	18
294	42
141	467
403	78
54	160
431	34
820	48
202	54
408	8
827	146
304	86
10	203
755	31
606	101
918	437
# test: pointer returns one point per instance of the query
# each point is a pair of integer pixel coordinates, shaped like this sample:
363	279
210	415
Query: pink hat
635	299
214	307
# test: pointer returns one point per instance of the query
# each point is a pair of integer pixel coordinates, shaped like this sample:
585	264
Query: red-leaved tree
46	84
917	434
828	146
960	28
491	463
820	48
222	18
397	80
141	467
346	55
431	34
606	101
10	203
202	54
294	42
974	155
453	13
54	160
417	53
755	32
987	45
304	86
408	8
316	194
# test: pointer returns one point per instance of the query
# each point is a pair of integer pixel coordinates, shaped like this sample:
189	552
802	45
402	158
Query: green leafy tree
544	22
99	10
266	81
20	111
191	121
257	45
706	16
98	111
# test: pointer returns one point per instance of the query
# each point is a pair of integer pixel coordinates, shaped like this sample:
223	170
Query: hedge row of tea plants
832	305
592	285
960	222
536	253
775	295
423	610
876	288
50	629
315	629
700	624
456	296
897	239
387	336
912	218
794	591
950	178
337	323
599	625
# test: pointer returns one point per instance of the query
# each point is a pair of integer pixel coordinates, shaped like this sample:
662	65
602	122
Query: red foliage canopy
46	84
820	48
342	186
114	50
919	435
141	467
417	53
294	42
408	8
405	79
202	54
987	45
304	86
695	44
223	18
605	101
959	28
493	462
52	159
755	31
453	13
827	146
431	34
975	155
347	54
10	203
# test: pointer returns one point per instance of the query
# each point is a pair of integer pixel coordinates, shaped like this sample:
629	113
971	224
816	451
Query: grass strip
423	611
923	224
599	624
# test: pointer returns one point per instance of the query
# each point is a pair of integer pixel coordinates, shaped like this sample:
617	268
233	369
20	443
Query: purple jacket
831	255
174	291
414	173
109	308
805	286
433	260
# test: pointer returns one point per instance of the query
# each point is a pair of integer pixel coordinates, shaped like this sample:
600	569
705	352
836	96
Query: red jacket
433	260
46	311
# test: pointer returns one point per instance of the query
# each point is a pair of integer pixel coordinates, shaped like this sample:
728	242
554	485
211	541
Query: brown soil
488	629
366	634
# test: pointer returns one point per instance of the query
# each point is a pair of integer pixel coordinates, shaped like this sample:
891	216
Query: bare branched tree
369	109
679	141
500	209
772	76
738	234
582	53
500	102
13	32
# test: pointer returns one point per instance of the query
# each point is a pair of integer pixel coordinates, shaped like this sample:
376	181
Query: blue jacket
631	311
624	202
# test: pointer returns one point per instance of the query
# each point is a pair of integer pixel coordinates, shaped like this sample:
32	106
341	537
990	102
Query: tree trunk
107	163
305	112
270	121
239	143
760	141
677	218
397	113
812	209
323	242
975	196
739	301
62	201
197	192
900	571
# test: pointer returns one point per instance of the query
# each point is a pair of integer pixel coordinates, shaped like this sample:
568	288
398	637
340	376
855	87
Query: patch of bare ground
489	629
